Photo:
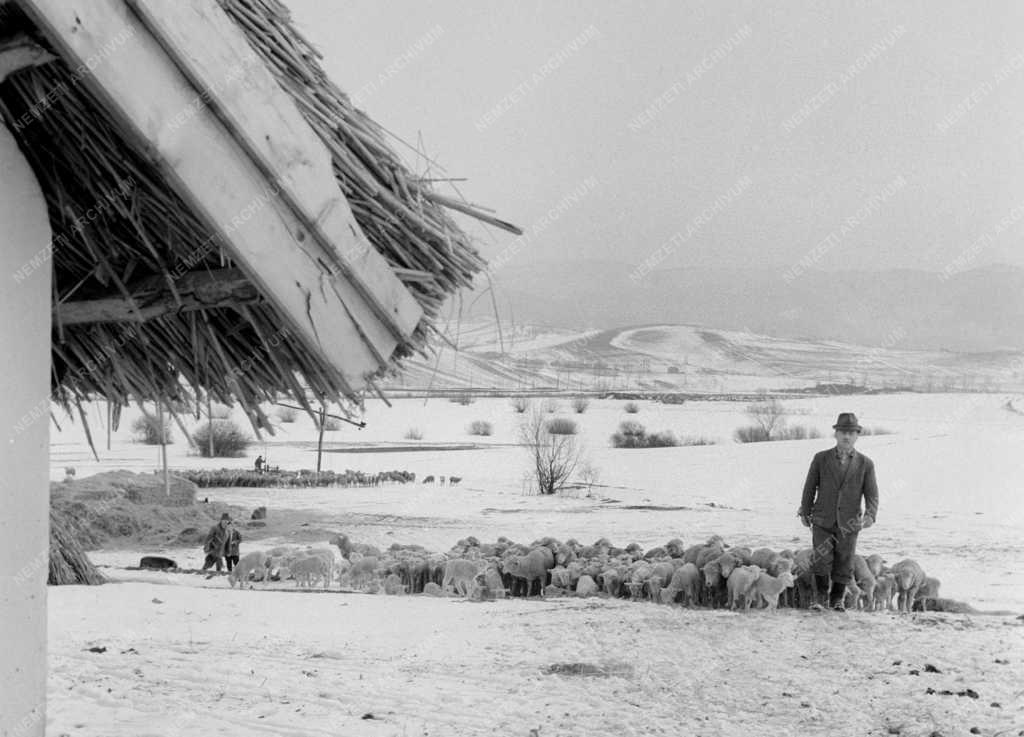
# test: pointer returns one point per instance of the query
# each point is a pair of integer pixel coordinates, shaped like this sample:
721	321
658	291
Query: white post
25	263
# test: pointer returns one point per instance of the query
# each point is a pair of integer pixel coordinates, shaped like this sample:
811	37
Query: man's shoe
837	597
821	586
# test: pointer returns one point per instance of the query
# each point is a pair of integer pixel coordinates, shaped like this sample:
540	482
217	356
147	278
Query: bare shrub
632	434
463	398
553	457
562	426
663	439
287	414
580	404
876	431
414	433
480	427
797	432
228	439
520	404
550	405
697	440
631	408
751	434
331	424
769	415
148	430
220	412
589	475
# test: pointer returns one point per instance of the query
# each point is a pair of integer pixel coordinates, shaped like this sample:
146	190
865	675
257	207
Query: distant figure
259	464
216	542
231	547
831	506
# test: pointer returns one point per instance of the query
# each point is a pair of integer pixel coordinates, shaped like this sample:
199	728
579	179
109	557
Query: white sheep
909	578
459	574
307	571
740	585
586	586
251	563
768	588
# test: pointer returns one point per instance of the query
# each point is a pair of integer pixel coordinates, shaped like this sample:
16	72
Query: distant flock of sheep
710	574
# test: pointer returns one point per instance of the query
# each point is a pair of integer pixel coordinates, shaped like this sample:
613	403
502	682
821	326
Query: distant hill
979	310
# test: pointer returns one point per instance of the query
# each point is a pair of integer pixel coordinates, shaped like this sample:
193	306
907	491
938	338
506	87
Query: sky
666	134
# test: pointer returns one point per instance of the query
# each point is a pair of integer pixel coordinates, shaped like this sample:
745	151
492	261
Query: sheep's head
674	547
787	579
727	563
712	574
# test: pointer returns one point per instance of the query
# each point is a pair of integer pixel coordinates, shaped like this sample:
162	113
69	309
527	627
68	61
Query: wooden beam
159	110
151	298
20	51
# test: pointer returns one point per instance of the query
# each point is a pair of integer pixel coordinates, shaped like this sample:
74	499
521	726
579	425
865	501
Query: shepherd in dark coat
838	480
215	545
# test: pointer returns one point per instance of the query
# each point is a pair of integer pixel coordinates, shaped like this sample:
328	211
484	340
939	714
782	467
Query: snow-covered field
185	655
950	479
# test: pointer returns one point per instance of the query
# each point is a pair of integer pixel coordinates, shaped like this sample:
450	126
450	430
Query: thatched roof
147	303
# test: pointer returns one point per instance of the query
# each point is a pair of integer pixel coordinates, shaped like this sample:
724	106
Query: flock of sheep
709	574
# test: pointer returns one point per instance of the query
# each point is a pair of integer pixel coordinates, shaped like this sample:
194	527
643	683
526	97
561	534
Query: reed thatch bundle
68	562
120	229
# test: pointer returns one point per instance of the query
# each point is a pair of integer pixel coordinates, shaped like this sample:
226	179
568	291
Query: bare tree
769	415
554	457
590	475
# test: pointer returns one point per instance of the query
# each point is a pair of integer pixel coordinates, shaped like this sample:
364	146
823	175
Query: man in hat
215	545
831	506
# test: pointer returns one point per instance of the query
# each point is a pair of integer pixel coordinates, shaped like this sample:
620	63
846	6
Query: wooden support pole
320	439
163	446
25	270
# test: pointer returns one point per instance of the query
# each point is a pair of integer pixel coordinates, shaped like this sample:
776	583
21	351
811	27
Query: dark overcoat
831	499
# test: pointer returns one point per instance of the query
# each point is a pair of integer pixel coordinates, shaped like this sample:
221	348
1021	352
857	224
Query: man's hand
866	523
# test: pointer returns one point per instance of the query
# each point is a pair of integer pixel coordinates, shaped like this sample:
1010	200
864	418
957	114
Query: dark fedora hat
225	517
847	421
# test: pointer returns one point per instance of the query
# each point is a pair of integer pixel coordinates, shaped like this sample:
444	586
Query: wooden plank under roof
243	158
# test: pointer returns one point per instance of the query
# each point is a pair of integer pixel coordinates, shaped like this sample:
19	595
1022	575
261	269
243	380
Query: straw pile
68	562
141	232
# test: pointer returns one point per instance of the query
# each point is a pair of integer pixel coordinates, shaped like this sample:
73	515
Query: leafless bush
769	415
414	433
562	426
580	404
480	427
550	405
287	414
149	430
553	457
631	408
520	404
220	412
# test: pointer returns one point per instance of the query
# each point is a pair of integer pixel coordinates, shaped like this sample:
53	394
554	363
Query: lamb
929	591
393	585
492	578
306	571
885	588
763	557
560	577
533	566
875	564
768	588
432	589
586	586
909	578
865	581
362	567
740	585
852	597
251	563
660	575
611	581
686	579
459	574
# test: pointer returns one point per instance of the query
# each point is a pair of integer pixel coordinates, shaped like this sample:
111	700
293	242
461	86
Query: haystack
68	562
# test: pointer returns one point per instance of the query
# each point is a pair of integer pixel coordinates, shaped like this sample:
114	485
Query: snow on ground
950	480
182	660
186	655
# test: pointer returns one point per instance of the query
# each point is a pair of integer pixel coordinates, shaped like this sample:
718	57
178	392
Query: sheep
885	588
929	591
727	562
763	558
686	579
743	553
659	576
740	584
459	574
362	567
875	564
250	563
533	566
452	480
852	595
428	480
560	577
674	548
865	581
433	589
909	578
393	585
586	586
492	578
768	588
611	581
306	571
715	583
